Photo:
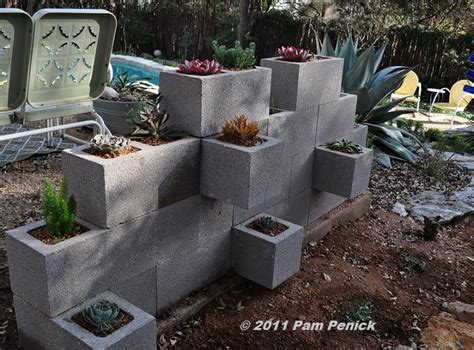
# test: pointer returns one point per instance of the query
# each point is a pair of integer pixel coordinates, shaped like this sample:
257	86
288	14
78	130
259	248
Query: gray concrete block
336	119
294	209
297	85
202	104
139	290
343	174
266	260
242	176
323	202
301	172
54	278
297	129
358	134
38	331
112	191
193	263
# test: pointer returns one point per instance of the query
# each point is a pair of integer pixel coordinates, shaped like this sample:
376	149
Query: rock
109	93
403	347
129	98
399	208
445	332
463	312
157	53
327	278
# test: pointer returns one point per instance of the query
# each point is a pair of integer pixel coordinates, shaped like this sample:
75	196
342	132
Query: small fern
59	210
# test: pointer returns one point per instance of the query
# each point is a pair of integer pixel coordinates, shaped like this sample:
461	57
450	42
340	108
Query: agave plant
199	67
344	146
103	315
240	131
108	144
264	223
151	121
294	54
362	78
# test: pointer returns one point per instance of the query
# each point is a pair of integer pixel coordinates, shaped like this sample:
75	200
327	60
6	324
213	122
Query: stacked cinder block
161	219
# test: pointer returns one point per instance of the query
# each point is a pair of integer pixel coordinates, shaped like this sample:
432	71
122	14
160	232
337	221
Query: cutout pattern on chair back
458	95
409	85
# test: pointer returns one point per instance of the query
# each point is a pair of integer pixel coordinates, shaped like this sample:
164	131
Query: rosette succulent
199	67
103	315
108	144
294	54
344	146
240	131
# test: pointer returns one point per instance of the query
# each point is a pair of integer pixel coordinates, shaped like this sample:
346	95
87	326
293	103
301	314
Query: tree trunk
243	22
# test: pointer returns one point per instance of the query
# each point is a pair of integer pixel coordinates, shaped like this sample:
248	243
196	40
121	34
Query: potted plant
103	322
342	167
122	97
114	185
301	80
240	166
201	94
266	250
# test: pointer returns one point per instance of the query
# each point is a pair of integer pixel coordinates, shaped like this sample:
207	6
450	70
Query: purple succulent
294	54
199	67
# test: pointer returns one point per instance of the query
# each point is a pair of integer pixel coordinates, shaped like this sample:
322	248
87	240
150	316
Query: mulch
46	237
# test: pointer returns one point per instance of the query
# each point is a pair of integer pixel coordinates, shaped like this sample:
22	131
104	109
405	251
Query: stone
112	191
297	86
109	93
278	257
202	104
336	119
297	129
445	332
342	174
463	312
157	53
37	331
399	208
239	175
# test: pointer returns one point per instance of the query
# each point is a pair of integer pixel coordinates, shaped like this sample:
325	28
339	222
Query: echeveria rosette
294	54
199	67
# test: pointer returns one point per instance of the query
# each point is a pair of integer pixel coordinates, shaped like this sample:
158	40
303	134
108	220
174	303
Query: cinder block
37	331
192	264
139	290
343	174
202	104
358	134
297	85
323	202
336	119
266	260
242	176
54	278
294	209
297	129
112	191
301	172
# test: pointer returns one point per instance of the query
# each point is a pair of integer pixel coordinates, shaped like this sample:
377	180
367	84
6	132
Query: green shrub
235	57
59	210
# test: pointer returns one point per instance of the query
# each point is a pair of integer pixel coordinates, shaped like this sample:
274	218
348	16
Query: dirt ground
361	261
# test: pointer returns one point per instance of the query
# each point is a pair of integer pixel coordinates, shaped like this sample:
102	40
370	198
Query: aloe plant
361	77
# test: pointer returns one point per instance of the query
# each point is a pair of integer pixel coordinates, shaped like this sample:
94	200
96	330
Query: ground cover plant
235	57
241	131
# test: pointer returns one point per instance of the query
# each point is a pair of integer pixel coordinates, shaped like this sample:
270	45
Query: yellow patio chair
409	86
458	99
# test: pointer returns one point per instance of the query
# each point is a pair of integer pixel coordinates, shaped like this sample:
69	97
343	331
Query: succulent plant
264	223
240	131
294	54
103	315
59	210
235	57
344	146
108	144
151	122
199	67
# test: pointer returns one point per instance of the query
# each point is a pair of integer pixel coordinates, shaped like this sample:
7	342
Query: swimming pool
135	71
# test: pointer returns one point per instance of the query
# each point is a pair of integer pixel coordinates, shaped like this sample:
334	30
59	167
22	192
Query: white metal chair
53	66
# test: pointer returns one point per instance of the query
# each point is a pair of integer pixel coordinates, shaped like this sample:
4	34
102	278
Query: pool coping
145	63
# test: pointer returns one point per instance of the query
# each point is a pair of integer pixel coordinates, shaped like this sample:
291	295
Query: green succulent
103	315
344	146
361	77
59	210
235	57
413	263
108	144
265	223
360	311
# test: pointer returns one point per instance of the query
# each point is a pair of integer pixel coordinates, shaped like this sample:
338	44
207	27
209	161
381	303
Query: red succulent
199	67
294	54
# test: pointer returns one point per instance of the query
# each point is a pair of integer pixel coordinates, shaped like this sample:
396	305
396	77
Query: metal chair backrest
458	96
409	85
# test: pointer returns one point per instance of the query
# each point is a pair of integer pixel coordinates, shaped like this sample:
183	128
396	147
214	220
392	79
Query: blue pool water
135	71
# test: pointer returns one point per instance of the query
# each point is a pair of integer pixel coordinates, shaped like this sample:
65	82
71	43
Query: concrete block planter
358	134
336	119
61	332
342	174
300	85
112	191
202	104
239	175
263	259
